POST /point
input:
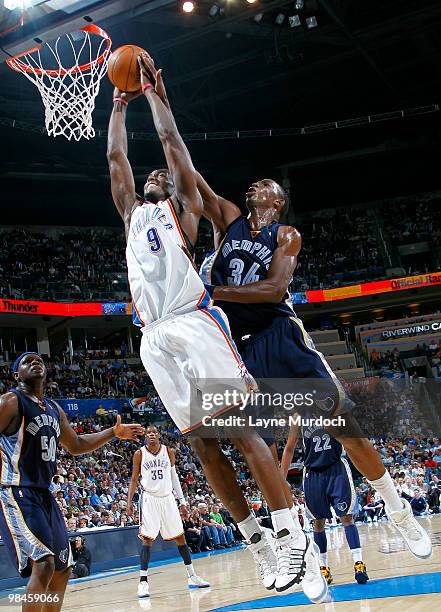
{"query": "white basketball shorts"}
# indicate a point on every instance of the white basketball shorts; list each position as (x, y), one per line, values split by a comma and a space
(160, 515)
(191, 358)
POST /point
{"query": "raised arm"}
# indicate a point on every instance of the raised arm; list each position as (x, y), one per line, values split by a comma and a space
(274, 286)
(136, 470)
(220, 211)
(121, 175)
(288, 451)
(176, 153)
(79, 445)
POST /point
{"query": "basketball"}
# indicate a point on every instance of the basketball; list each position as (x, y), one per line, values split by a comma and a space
(123, 69)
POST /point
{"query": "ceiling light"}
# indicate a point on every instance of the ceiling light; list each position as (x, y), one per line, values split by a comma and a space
(294, 21)
(311, 22)
(251, 1)
(188, 6)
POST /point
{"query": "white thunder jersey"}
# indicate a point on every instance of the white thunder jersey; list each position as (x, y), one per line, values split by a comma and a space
(161, 276)
(156, 472)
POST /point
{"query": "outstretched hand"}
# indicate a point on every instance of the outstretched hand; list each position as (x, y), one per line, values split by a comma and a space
(128, 431)
(153, 76)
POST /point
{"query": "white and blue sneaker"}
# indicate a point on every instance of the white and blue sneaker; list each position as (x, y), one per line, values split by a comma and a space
(196, 582)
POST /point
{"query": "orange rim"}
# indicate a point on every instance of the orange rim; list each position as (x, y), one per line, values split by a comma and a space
(18, 66)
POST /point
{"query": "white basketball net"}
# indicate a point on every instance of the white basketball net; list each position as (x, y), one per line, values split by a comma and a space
(68, 93)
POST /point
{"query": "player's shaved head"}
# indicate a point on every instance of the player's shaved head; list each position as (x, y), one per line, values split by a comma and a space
(266, 196)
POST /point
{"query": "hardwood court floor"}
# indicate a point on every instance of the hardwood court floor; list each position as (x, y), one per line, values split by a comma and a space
(398, 581)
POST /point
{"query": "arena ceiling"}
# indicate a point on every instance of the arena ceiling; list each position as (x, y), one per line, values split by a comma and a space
(232, 72)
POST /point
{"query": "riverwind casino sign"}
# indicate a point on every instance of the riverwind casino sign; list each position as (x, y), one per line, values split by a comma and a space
(416, 329)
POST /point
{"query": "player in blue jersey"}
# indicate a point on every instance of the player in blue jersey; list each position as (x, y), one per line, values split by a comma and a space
(32, 427)
(327, 482)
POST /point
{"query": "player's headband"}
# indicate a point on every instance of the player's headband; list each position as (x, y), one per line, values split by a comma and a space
(17, 362)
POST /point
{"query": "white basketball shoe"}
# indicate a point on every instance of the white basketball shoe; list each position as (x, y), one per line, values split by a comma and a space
(291, 562)
(314, 584)
(265, 559)
(143, 589)
(196, 582)
(416, 538)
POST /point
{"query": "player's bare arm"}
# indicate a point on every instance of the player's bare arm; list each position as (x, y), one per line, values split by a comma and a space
(9, 415)
(274, 286)
(136, 470)
(176, 153)
(220, 211)
(121, 175)
(288, 451)
(78, 445)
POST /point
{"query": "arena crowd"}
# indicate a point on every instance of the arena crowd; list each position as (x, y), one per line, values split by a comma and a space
(339, 247)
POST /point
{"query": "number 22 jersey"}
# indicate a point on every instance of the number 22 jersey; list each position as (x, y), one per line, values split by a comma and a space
(28, 456)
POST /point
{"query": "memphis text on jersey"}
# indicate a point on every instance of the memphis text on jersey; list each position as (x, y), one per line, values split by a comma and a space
(261, 251)
(42, 420)
(311, 423)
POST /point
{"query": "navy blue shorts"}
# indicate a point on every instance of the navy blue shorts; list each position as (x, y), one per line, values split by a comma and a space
(32, 527)
(285, 350)
(332, 487)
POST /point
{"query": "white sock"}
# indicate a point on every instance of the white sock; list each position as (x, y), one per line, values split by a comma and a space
(190, 570)
(324, 559)
(295, 516)
(386, 488)
(248, 527)
(356, 554)
(282, 519)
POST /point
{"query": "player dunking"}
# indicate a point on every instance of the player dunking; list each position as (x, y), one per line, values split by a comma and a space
(327, 482)
(155, 463)
(31, 428)
(185, 342)
(249, 277)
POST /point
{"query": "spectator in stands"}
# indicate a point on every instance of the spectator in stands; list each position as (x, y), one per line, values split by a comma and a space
(226, 529)
(418, 504)
(263, 515)
(217, 534)
(82, 558)
(434, 498)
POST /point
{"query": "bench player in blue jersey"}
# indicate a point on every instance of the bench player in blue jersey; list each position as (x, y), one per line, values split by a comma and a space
(327, 482)
(32, 427)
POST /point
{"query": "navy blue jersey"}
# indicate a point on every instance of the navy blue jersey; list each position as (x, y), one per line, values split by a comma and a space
(320, 450)
(244, 257)
(28, 457)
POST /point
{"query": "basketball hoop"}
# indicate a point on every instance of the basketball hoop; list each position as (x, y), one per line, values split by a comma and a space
(68, 94)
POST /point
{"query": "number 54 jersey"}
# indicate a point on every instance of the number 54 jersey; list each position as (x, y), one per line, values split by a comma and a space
(28, 456)
(161, 276)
